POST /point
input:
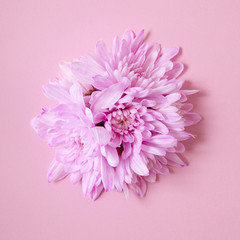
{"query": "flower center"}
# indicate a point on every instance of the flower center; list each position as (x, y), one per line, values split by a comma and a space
(76, 141)
(124, 121)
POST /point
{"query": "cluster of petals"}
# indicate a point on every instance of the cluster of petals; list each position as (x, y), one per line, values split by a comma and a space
(120, 117)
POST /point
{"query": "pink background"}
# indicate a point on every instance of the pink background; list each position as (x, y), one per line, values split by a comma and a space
(198, 202)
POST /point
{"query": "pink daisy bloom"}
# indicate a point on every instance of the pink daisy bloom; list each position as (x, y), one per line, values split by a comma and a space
(120, 118)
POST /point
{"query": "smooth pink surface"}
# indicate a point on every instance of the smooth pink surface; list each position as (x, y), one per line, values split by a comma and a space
(198, 202)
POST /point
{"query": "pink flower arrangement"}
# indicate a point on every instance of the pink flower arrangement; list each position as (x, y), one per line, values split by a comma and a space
(120, 118)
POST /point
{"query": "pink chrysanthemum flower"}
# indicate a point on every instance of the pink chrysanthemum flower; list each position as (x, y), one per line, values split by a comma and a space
(120, 118)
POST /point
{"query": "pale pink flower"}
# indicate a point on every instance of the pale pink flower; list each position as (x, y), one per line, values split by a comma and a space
(121, 116)
(69, 128)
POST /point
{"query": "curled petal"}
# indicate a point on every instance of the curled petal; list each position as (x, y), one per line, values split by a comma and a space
(175, 71)
(108, 97)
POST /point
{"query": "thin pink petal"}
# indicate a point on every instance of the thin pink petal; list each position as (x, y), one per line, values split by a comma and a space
(56, 92)
(112, 156)
(163, 141)
(76, 94)
(138, 165)
(175, 71)
(169, 53)
(139, 187)
(191, 118)
(56, 172)
(174, 160)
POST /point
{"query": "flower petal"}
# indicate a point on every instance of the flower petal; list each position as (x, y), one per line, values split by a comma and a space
(56, 92)
(75, 177)
(172, 98)
(96, 192)
(112, 156)
(107, 174)
(174, 160)
(127, 150)
(160, 127)
(66, 72)
(138, 165)
(169, 53)
(101, 135)
(85, 69)
(163, 141)
(153, 150)
(139, 187)
(88, 181)
(76, 94)
(151, 56)
(137, 41)
(108, 97)
(180, 136)
(175, 71)
(102, 82)
(56, 172)
(191, 118)
(102, 53)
